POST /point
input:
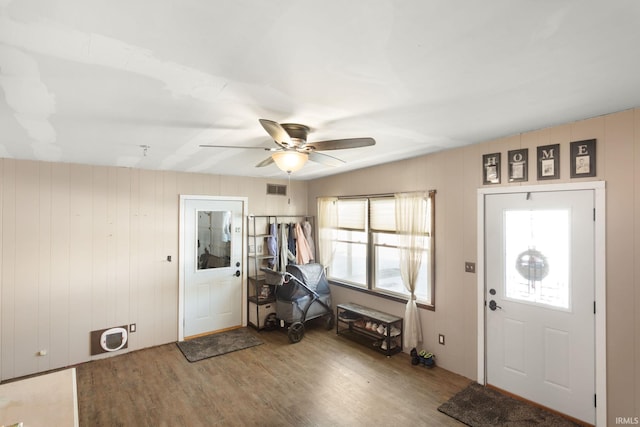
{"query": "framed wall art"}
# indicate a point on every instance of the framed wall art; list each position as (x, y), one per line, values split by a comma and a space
(491, 168)
(548, 162)
(583, 158)
(518, 165)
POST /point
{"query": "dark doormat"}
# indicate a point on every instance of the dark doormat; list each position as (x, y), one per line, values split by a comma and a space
(478, 406)
(217, 344)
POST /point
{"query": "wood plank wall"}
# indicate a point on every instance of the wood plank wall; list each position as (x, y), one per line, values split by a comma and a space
(457, 175)
(85, 248)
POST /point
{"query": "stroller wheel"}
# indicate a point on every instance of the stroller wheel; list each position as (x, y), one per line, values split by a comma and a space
(329, 322)
(296, 332)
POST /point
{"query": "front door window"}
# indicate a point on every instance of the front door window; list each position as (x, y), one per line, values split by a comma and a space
(213, 240)
(537, 257)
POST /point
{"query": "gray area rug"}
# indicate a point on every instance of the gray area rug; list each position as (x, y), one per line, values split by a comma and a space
(478, 406)
(217, 344)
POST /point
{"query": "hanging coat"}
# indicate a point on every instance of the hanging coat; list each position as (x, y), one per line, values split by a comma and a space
(303, 252)
(308, 234)
(291, 229)
(284, 248)
(272, 244)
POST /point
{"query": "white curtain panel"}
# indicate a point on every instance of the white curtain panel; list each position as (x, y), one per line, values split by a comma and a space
(411, 227)
(328, 222)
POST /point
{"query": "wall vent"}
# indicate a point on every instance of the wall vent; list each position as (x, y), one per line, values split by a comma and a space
(277, 189)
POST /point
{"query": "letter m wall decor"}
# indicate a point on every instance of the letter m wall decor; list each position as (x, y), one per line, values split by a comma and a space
(549, 162)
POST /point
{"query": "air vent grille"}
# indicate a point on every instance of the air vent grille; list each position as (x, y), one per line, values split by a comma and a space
(277, 189)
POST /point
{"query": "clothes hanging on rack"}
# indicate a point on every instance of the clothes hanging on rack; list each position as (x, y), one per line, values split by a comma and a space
(289, 243)
(303, 251)
(284, 248)
(308, 234)
(291, 230)
(272, 244)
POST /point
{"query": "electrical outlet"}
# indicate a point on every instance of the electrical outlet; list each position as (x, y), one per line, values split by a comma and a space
(441, 339)
(132, 327)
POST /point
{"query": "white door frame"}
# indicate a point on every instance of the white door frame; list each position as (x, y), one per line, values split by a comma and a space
(599, 272)
(245, 209)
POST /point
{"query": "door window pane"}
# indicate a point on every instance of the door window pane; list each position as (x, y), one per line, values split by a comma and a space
(214, 239)
(537, 257)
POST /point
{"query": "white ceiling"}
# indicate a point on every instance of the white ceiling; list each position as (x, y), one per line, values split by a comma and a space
(91, 81)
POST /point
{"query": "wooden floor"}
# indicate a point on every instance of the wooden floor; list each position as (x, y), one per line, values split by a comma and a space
(324, 380)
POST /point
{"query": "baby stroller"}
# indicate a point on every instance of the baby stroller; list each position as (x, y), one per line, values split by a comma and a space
(302, 293)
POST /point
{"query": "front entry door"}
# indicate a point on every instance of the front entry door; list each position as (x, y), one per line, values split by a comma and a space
(540, 322)
(212, 265)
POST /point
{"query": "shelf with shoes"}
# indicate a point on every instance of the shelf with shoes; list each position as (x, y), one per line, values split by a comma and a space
(373, 328)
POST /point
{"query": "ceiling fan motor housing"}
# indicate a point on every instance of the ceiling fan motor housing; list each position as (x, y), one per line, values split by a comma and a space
(297, 132)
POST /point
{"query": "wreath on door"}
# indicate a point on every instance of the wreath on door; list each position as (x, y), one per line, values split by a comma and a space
(532, 265)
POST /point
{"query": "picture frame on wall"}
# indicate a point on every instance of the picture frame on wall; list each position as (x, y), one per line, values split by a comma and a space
(583, 158)
(548, 161)
(491, 168)
(518, 161)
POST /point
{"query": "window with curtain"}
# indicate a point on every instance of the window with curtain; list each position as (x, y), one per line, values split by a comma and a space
(366, 248)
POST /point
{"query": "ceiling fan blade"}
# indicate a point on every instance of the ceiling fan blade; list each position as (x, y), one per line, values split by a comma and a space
(238, 146)
(265, 162)
(340, 144)
(277, 132)
(325, 159)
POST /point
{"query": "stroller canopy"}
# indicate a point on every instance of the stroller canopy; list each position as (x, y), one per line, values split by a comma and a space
(312, 275)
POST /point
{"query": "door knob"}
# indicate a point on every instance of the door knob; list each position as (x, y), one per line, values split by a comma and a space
(237, 273)
(493, 305)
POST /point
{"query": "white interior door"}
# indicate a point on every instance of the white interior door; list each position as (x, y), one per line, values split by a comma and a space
(212, 265)
(540, 322)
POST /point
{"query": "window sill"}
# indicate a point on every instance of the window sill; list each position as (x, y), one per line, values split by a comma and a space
(381, 295)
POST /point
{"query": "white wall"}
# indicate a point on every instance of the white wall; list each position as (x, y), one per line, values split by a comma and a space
(85, 248)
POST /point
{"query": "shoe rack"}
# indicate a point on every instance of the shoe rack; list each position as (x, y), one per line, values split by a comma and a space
(372, 328)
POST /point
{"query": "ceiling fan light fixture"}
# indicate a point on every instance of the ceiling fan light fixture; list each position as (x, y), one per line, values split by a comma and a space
(290, 160)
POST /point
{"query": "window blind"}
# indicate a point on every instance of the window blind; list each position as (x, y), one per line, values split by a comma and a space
(352, 214)
(383, 214)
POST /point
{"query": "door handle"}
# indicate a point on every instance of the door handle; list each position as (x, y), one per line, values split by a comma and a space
(237, 274)
(493, 305)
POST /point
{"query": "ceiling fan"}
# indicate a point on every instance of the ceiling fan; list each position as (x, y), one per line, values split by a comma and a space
(293, 150)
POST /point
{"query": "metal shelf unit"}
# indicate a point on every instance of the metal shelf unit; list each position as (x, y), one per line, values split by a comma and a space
(260, 295)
